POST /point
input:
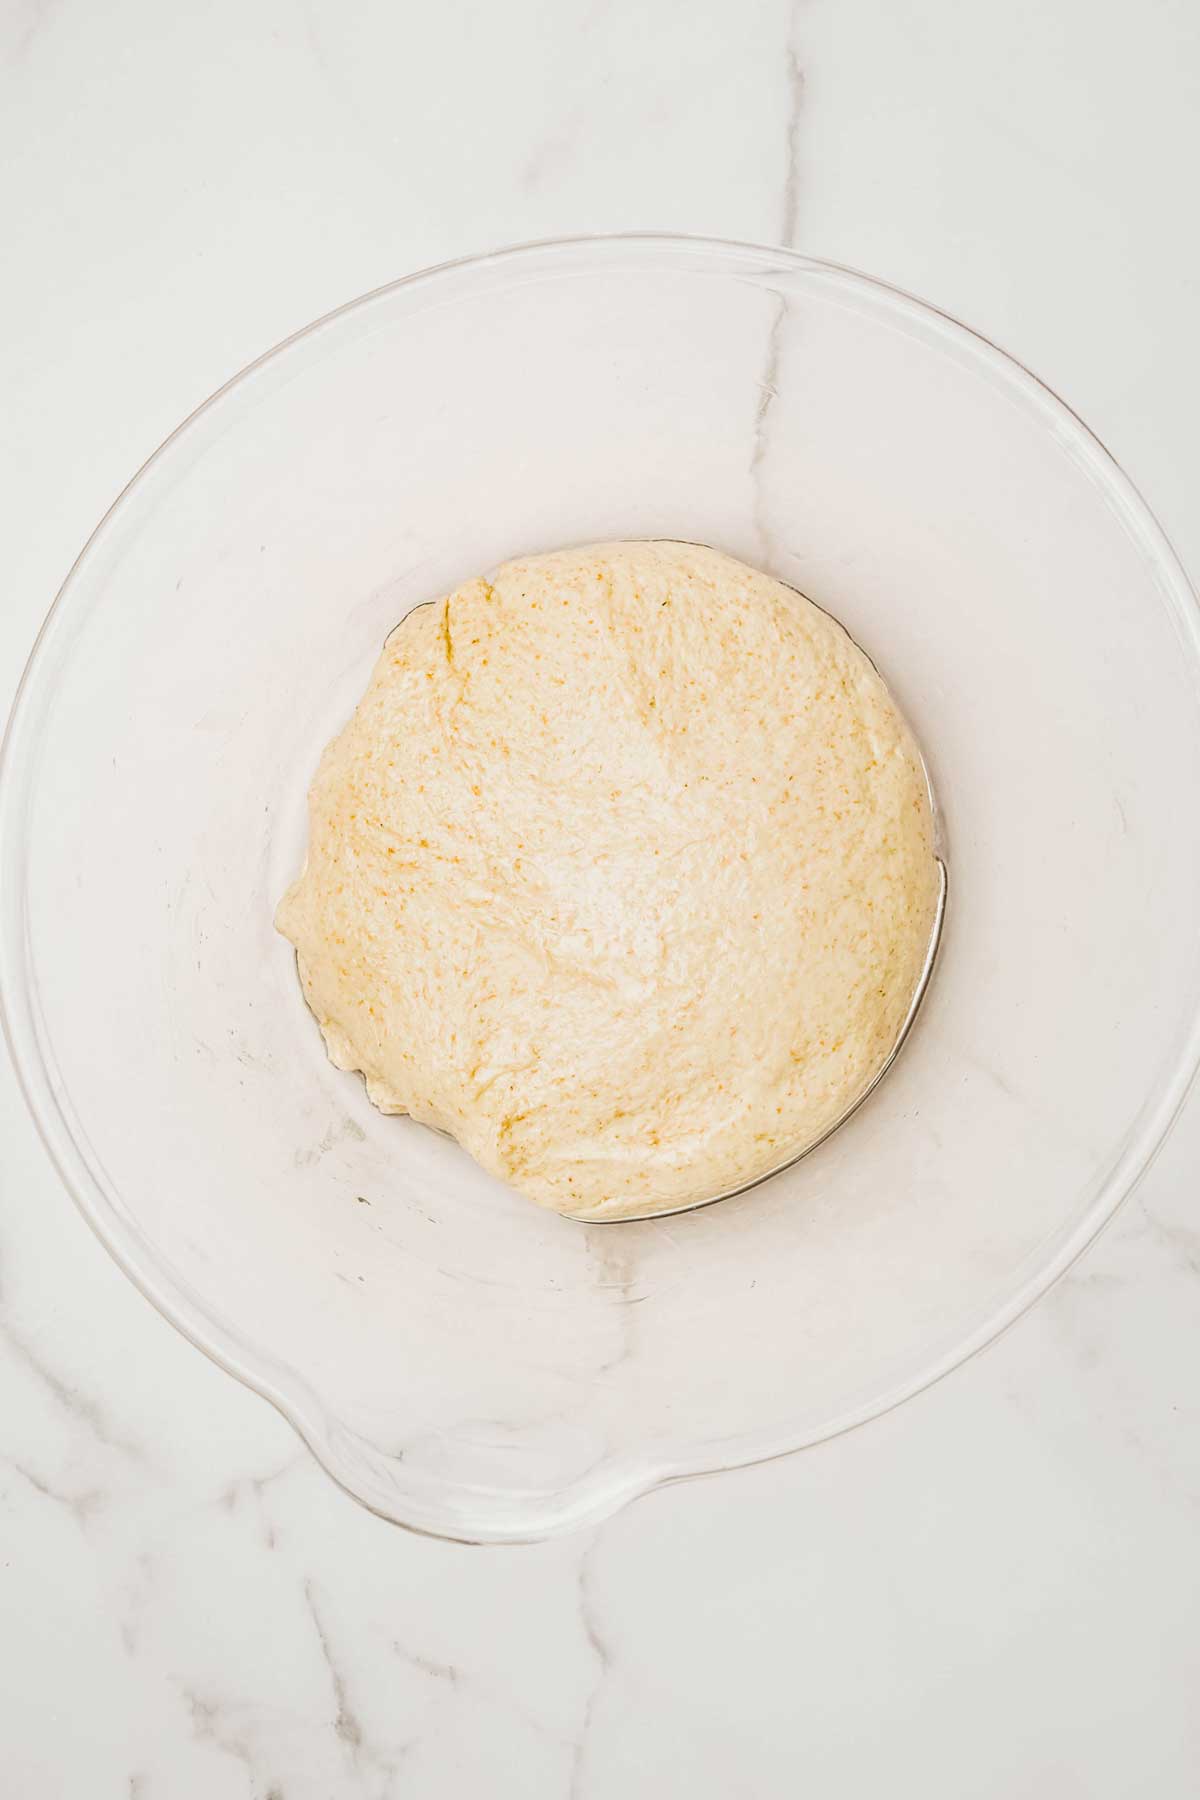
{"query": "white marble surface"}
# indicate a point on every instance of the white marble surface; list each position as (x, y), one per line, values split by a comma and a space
(993, 1591)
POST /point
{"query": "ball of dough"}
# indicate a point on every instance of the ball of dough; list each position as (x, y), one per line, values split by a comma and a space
(622, 873)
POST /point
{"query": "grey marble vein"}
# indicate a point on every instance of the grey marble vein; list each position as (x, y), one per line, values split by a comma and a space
(137, 1592)
(450, 1673)
(254, 1490)
(790, 211)
(346, 1722)
(554, 148)
(69, 1396)
(25, 23)
(1183, 1241)
(82, 1506)
(789, 224)
(209, 1723)
(462, 1684)
(341, 91)
(602, 1652)
(768, 392)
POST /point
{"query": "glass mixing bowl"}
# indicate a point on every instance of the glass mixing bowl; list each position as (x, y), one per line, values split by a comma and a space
(457, 1359)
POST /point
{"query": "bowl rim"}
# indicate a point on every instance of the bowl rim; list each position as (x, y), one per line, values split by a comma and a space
(351, 1461)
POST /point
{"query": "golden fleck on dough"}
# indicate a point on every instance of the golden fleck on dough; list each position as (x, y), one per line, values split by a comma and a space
(622, 873)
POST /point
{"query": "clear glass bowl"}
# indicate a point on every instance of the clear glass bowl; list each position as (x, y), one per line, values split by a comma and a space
(457, 1359)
